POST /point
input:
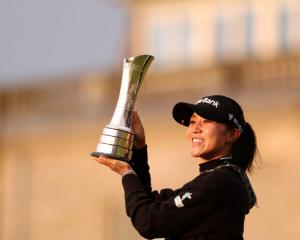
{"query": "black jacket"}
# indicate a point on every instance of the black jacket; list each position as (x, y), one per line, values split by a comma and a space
(212, 206)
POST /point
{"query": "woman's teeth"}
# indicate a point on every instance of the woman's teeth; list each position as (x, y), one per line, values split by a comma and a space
(196, 140)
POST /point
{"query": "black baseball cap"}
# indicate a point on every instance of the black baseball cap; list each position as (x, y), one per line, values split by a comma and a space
(216, 108)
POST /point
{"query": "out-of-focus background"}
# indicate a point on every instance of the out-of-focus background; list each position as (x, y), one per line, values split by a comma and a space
(60, 74)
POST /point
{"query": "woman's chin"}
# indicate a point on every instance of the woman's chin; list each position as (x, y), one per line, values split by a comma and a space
(196, 154)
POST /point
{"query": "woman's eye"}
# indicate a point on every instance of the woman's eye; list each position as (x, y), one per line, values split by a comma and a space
(192, 122)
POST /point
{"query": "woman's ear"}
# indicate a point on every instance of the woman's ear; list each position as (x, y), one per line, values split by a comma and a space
(234, 135)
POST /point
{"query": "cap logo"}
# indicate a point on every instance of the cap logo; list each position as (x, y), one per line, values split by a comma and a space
(236, 122)
(209, 101)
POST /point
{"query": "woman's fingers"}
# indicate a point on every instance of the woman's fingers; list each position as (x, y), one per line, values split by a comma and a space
(136, 118)
(138, 130)
(103, 160)
(117, 166)
(137, 125)
(109, 162)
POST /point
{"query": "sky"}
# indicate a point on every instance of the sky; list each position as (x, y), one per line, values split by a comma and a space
(52, 37)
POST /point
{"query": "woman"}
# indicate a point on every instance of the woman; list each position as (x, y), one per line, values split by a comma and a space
(214, 204)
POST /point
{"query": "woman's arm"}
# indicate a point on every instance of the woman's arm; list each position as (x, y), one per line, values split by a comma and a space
(169, 214)
(139, 163)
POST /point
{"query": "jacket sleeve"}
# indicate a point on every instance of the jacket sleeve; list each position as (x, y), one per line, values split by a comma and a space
(154, 218)
(139, 163)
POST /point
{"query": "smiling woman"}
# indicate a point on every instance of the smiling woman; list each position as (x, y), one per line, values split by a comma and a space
(214, 204)
(209, 139)
(227, 127)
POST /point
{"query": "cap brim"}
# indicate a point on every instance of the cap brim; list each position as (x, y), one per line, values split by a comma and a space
(182, 113)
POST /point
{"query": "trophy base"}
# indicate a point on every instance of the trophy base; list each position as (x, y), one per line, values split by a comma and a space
(115, 157)
(116, 144)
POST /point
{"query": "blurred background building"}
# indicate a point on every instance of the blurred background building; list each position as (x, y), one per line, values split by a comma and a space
(60, 73)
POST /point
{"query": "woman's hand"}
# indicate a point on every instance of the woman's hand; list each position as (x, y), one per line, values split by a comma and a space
(117, 166)
(138, 129)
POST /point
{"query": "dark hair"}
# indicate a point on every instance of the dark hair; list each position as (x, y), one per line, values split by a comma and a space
(244, 148)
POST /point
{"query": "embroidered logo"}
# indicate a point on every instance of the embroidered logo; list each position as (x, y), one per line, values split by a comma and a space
(236, 122)
(178, 200)
(209, 101)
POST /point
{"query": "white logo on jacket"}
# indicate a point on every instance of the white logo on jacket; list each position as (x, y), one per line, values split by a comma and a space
(178, 200)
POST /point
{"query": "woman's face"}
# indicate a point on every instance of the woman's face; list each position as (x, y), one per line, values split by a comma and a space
(208, 139)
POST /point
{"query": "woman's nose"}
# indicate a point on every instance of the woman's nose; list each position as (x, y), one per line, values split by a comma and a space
(197, 127)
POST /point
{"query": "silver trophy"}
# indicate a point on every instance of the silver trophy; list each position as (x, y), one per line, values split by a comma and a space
(117, 137)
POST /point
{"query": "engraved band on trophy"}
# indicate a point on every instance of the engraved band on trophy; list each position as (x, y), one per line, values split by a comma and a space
(117, 137)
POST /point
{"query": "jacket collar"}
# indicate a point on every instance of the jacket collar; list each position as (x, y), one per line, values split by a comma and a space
(211, 164)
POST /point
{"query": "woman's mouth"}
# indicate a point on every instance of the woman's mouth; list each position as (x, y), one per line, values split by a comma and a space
(196, 140)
